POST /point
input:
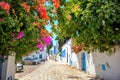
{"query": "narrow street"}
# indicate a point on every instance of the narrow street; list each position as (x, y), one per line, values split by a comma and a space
(52, 70)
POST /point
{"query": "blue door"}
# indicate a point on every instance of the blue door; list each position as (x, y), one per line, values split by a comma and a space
(84, 61)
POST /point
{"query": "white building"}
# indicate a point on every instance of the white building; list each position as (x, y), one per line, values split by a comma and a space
(38, 54)
(7, 68)
(101, 64)
(95, 63)
(84, 61)
(107, 66)
(66, 55)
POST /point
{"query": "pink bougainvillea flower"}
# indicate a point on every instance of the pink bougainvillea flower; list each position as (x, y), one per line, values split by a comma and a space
(47, 40)
(20, 35)
(12, 34)
(1, 19)
(41, 46)
(5, 6)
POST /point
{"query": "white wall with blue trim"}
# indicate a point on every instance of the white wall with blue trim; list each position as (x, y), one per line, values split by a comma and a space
(37, 54)
(84, 61)
(66, 53)
(94, 63)
(107, 66)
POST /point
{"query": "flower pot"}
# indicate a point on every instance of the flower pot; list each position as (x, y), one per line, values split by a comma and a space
(77, 48)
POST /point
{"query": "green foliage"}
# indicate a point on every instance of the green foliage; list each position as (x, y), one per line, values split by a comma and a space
(93, 23)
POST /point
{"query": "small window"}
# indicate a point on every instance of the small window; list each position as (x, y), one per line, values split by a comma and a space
(103, 67)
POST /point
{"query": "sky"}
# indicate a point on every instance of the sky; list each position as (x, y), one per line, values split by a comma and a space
(48, 28)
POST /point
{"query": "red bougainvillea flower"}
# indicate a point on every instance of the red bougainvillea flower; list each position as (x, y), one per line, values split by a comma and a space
(20, 35)
(44, 23)
(1, 19)
(26, 6)
(56, 3)
(44, 33)
(42, 11)
(39, 2)
(5, 6)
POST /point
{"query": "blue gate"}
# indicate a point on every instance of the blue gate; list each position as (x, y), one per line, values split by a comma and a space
(84, 61)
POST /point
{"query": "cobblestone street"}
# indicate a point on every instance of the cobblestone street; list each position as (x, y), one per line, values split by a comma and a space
(51, 70)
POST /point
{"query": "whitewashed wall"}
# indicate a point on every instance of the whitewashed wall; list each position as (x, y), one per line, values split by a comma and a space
(112, 64)
(68, 47)
(90, 64)
(8, 68)
(36, 54)
(64, 59)
(44, 54)
(11, 67)
(75, 60)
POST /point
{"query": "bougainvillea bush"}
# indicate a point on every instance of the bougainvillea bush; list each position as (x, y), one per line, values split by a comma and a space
(22, 26)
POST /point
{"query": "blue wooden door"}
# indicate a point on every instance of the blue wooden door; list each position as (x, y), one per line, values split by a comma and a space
(84, 61)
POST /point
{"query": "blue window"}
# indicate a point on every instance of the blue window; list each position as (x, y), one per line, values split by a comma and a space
(103, 67)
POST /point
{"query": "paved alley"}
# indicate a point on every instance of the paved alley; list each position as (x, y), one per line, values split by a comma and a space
(52, 70)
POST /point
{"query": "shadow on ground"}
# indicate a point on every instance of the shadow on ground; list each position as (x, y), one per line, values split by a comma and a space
(77, 77)
(74, 77)
(19, 71)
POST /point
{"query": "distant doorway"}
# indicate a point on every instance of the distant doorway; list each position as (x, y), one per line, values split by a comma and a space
(83, 56)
